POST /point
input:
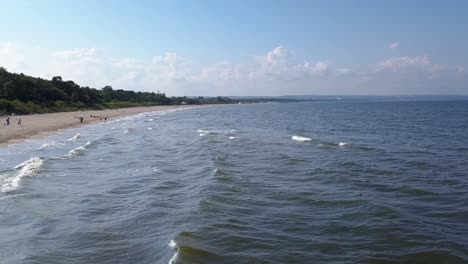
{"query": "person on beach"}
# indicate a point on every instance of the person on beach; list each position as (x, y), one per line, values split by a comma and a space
(19, 122)
(8, 121)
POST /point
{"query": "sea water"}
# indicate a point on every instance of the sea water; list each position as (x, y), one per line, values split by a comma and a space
(320, 182)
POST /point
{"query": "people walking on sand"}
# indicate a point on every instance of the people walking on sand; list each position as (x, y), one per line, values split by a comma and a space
(81, 119)
(8, 121)
(19, 122)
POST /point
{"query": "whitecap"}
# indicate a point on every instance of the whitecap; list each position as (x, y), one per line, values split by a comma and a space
(150, 128)
(232, 137)
(75, 137)
(203, 131)
(203, 134)
(342, 144)
(173, 245)
(301, 139)
(28, 168)
(47, 145)
(126, 131)
(78, 150)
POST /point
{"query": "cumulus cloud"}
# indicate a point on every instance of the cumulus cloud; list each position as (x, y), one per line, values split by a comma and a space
(277, 71)
(394, 45)
(11, 58)
(407, 64)
(171, 67)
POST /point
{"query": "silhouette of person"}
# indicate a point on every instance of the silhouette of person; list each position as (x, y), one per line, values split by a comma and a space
(81, 119)
(19, 122)
(8, 121)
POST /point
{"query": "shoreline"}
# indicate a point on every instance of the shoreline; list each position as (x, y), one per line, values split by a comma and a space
(42, 125)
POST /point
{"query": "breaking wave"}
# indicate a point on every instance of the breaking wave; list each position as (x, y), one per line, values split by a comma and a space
(301, 139)
(173, 245)
(77, 151)
(28, 168)
(75, 137)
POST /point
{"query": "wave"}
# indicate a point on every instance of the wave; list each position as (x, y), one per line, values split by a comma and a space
(232, 137)
(28, 168)
(186, 252)
(301, 139)
(342, 144)
(75, 137)
(204, 131)
(150, 128)
(48, 145)
(77, 151)
(173, 245)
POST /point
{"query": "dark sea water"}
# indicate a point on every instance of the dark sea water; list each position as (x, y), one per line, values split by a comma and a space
(324, 182)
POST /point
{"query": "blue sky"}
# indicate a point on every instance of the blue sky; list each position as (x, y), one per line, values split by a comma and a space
(242, 47)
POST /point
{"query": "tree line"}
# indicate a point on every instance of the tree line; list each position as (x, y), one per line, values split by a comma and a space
(24, 94)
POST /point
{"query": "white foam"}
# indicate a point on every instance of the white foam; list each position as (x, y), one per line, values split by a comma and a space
(203, 134)
(126, 131)
(78, 150)
(301, 139)
(74, 138)
(28, 168)
(232, 137)
(204, 131)
(151, 119)
(174, 258)
(47, 145)
(342, 144)
(150, 128)
(173, 245)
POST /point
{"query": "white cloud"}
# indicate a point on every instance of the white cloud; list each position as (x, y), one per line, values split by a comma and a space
(406, 63)
(394, 45)
(171, 67)
(276, 72)
(343, 71)
(11, 58)
(320, 67)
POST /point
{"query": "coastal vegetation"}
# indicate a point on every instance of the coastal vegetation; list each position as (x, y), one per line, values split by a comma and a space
(24, 94)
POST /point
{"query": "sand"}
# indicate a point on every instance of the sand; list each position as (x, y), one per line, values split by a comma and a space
(40, 125)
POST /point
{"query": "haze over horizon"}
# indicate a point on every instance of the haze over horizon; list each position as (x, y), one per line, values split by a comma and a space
(242, 48)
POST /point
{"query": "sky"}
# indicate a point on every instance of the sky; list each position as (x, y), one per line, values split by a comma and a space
(237, 47)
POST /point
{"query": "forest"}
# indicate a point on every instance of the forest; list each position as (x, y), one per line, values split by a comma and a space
(22, 94)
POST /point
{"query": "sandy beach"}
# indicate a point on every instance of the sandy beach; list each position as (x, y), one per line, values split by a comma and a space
(39, 125)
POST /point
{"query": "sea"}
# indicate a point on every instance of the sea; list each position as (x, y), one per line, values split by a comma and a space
(311, 182)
